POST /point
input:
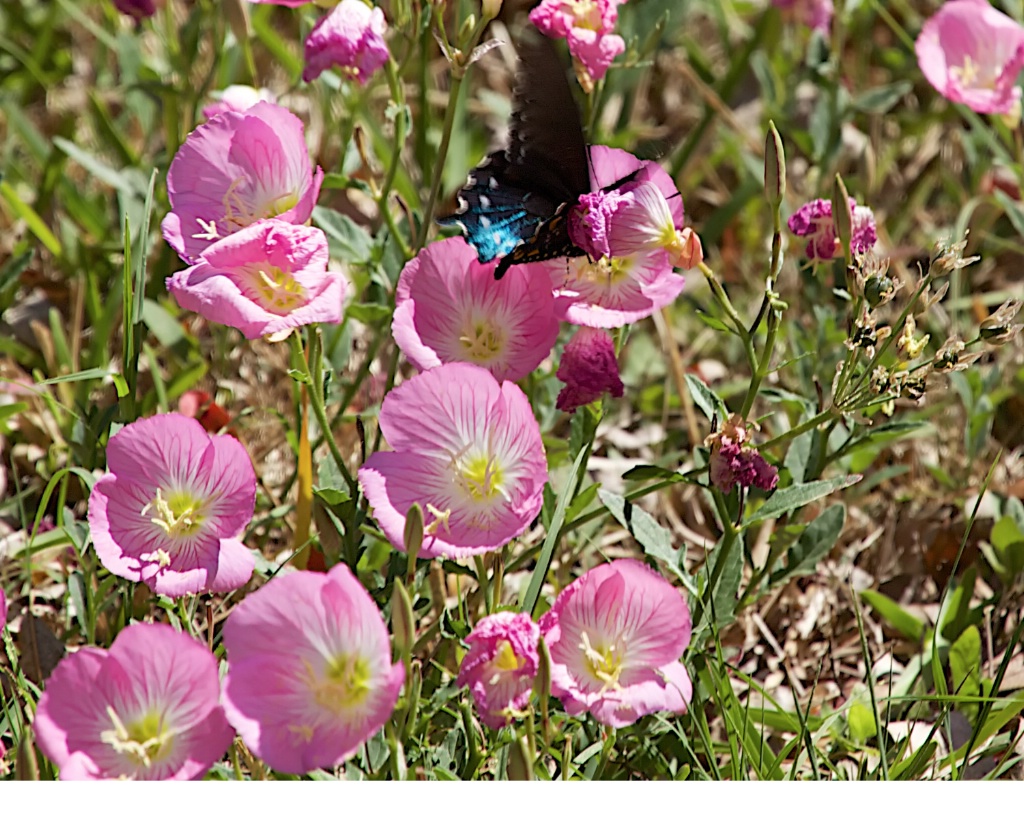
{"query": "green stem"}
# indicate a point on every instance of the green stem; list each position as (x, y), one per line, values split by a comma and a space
(764, 365)
(312, 371)
(734, 317)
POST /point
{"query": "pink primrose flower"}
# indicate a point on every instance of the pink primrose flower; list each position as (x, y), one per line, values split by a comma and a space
(468, 450)
(814, 221)
(972, 53)
(587, 26)
(309, 676)
(450, 308)
(147, 708)
(500, 666)
(351, 37)
(139, 9)
(614, 290)
(238, 98)
(615, 636)
(266, 279)
(734, 460)
(234, 170)
(815, 14)
(589, 369)
(172, 507)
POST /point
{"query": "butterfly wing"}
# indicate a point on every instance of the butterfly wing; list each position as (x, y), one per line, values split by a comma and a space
(512, 204)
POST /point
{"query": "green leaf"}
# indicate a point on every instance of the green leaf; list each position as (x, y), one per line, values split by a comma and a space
(816, 541)
(798, 496)
(654, 538)
(881, 99)
(714, 323)
(965, 662)
(649, 472)
(1012, 209)
(346, 239)
(894, 614)
(372, 315)
(165, 328)
(705, 398)
(861, 721)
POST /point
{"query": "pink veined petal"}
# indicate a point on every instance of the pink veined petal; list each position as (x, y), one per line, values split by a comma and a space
(450, 308)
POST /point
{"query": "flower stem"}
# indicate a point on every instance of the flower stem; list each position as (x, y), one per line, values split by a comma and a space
(313, 373)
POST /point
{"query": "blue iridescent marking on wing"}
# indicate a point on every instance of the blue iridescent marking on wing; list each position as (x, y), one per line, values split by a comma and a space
(514, 204)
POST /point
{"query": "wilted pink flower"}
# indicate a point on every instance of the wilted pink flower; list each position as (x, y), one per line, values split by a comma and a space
(139, 9)
(615, 636)
(500, 666)
(234, 170)
(350, 37)
(816, 14)
(266, 279)
(146, 709)
(588, 368)
(587, 26)
(734, 460)
(972, 53)
(171, 509)
(616, 289)
(309, 670)
(468, 451)
(450, 308)
(814, 221)
(238, 98)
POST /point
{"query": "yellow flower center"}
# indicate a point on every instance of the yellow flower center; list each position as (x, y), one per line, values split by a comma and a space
(344, 684)
(272, 288)
(145, 741)
(481, 476)
(481, 340)
(605, 271)
(604, 662)
(973, 75)
(506, 660)
(180, 514)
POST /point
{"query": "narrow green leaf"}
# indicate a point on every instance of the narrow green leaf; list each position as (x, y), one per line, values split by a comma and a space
(894, 614)
(798, 496)
(654, 539)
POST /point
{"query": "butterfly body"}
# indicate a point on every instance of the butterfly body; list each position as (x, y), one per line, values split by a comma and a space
(515, 204)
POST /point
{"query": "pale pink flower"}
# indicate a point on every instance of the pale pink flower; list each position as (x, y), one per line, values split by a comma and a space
(588, 368)
(238, 98)
(814, 221)
(734, 460)
(139, 9)
(619, 289)
(172, 507)
(587, 26)
(500, 666)
(146, 709)
(635, 217)
(972, 53)
(615, 636)
(309, 676)
(266, 279)
(450, 308)
(234, 170)
(468, 451)
(351, 38)
(815, 14)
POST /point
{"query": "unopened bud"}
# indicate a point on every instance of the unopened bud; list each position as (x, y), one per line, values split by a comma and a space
(841, 215)
(403, 623)
(774, 167)
(413, 534)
